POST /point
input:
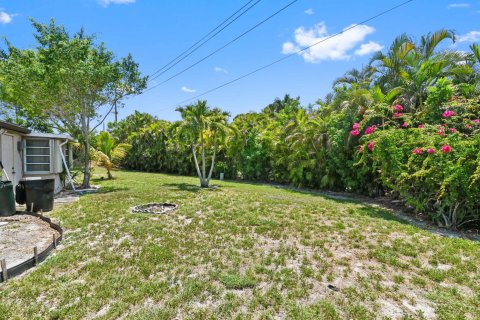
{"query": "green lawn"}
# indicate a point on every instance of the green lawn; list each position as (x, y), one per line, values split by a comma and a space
(242, 251)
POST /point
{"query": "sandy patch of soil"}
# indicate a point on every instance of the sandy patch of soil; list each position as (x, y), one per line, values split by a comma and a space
(19, 234)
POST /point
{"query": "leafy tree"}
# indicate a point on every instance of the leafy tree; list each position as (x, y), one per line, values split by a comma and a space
(72, 80)
(132, 123)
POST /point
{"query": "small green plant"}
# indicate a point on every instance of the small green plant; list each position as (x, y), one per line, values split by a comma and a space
(238, 281)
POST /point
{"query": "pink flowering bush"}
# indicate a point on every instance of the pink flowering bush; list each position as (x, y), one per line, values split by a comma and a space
(444, 185)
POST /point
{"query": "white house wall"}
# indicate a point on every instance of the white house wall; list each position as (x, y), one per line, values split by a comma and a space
(14, 167)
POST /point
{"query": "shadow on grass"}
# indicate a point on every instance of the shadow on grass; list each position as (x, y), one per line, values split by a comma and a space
(110, 189)
(190, 187)
(184, 186)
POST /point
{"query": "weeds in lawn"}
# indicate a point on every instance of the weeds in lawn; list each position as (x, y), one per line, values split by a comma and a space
(242, 251)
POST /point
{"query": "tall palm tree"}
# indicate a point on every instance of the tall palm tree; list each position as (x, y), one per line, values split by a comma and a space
(108, 153)
(204, 128)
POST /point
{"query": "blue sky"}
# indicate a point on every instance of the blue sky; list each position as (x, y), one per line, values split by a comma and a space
(154, 32)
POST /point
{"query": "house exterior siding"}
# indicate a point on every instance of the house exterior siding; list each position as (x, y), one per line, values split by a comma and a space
(13, 154)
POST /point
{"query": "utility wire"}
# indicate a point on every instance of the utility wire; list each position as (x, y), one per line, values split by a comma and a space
(289, 56)
(222, 47)
(181, 55)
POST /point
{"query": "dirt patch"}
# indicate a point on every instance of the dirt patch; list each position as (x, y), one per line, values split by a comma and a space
(19, 234)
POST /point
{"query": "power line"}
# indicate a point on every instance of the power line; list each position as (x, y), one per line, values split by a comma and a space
(162, 71)
(222, 47)
(289, 56)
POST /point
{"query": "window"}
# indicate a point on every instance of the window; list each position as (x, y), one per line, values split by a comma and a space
(37, 156)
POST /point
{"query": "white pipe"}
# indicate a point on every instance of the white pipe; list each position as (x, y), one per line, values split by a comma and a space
(66, 166)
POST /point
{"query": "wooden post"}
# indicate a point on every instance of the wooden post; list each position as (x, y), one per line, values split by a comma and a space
(54, 241)
(35, 255)
(3, 264)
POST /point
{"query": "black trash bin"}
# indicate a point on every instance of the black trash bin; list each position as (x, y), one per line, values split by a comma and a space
(7, 200)
(40, 194)
(20, 196)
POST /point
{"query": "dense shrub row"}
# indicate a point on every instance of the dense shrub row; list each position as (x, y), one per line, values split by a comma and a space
(406, 126)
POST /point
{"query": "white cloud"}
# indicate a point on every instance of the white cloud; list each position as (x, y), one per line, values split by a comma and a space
(471, 36)
(367, 48)
(336, 48)
(105, 3)
(458, 6)
(188, 90)
(6, 18)
(222, 70)
(309, 11)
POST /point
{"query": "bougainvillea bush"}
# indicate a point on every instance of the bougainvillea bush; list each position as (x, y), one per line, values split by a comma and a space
(434, 166)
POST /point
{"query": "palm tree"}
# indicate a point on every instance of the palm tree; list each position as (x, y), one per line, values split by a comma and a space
(362, 78)
(408, 69)
(108, 154)
(476, 51)
(204, 128)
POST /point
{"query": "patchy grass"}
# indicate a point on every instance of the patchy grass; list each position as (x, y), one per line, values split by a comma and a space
(242, 251)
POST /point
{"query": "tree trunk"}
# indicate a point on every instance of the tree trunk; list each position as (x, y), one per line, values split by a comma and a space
(213, 159)
(86, 138)
(203, 158)
(86, 175)
(195, 160)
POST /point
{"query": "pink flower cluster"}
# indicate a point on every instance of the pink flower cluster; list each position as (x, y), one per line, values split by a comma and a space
(476, 121)
(417, 151)
(355, 132)
(371, 145)
(398, 108)
(448, 113)
(370, 130)
(398, 111)
(445, 149)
